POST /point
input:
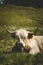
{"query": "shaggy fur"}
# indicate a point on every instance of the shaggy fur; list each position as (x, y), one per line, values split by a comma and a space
(29, 42)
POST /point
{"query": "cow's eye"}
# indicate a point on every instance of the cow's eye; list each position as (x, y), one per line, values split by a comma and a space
(22, 37)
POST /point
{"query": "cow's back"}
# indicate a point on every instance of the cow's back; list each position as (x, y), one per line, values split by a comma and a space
(39, 40)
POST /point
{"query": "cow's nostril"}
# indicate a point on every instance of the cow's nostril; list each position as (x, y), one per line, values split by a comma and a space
(20, 44)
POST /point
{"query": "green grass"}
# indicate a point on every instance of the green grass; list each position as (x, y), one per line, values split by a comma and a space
(16, 17)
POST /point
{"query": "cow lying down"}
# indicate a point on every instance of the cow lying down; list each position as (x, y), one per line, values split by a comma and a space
(27, 41)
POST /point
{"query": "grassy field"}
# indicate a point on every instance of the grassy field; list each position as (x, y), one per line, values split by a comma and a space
(16, 17)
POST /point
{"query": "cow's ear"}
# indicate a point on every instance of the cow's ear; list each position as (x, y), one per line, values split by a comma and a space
(30, 35)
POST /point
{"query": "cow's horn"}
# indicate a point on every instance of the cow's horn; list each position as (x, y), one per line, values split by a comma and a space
(8, 29)
(36, 28)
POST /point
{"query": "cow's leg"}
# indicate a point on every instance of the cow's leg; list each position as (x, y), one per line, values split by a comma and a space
(34, 51)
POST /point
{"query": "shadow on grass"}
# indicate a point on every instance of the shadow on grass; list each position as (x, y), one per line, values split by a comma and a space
(27, 3)
(18, 58)
(38, 59)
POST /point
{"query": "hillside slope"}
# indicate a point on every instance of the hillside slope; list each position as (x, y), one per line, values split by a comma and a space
(16, 17)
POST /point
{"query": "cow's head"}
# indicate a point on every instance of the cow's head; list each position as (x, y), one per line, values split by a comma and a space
(21, 35)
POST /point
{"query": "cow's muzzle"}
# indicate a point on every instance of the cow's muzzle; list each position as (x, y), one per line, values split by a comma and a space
(20, 45)
(17, 47)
